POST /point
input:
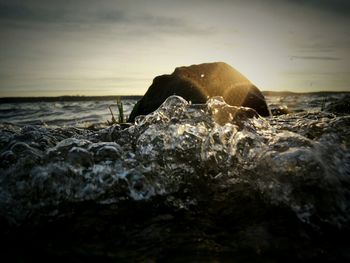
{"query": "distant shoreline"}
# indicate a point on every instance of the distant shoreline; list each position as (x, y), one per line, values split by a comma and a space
(138, 97)
(290, 93)
(65, 98)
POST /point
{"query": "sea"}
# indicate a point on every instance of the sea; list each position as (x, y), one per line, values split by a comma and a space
(186, 183)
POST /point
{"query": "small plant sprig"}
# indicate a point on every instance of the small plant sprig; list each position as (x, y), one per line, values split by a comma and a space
(120, 110)
(121, 117)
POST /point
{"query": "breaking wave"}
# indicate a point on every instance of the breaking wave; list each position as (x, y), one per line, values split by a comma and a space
(244, 176)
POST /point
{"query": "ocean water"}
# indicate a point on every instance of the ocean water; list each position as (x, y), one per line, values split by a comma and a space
(62, 113)
(187, 183)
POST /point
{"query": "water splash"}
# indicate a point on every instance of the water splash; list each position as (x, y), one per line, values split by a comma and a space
(180, 152)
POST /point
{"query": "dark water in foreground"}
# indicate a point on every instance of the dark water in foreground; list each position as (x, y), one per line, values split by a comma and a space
(188, 183)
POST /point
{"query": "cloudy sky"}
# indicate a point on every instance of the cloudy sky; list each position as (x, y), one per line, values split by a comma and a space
(111, 47)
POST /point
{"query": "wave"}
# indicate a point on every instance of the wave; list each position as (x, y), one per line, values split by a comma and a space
(246, 187)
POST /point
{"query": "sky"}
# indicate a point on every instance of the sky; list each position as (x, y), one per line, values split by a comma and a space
(115, 47)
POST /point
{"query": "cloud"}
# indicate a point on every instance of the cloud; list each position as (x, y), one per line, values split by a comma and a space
(314, 57)
(42, 14)
(87, 18)
(337, 6)
(23, 13)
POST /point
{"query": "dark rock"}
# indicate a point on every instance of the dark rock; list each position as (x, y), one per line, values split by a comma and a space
(339, 106)
(198, 83)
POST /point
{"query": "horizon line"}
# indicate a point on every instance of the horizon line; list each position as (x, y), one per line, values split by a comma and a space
(20, 99)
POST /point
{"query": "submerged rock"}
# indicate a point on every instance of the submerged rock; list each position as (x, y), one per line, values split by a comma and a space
(198, 83)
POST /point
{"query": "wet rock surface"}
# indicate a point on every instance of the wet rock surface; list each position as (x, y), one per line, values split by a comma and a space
(193, 183)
